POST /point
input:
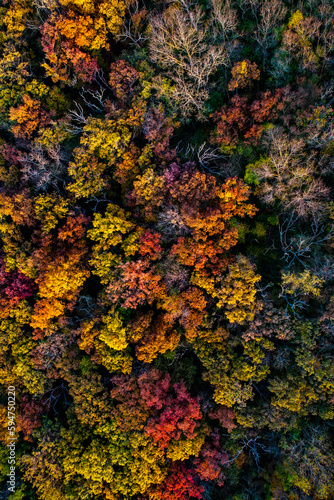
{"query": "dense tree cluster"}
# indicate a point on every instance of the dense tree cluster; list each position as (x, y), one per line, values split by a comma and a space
(166, 248)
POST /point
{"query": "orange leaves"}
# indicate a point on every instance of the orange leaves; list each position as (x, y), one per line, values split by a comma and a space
(212, 458)
(19, 208)
(232, 195)
(45, 311)
(127, 167)
(205, 224)
(193, 311)
(243, 74)
(150, 245)
(82, 34)
(186, 185)
(137, 284)
(28, 116)
(211, 235)
(78, 27)
(158, 339)
(149, 192)
(199, 255)
(62, 274)
(64, 58)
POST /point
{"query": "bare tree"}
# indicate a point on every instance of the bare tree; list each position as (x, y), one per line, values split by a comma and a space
(298, 248)
(44, 167)
(225, 18)
(287, 176)
(272, 13)
(183, 43)
(133, 30)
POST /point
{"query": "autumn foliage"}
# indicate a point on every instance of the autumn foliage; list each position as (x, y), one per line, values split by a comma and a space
(166, 249)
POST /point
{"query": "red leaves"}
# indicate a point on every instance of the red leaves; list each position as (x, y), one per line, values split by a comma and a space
(154, 387)
(150, 245)
(179, 417)
(211, 460)
(30, 416)
(225, 416)
(240, 119)
(158, 130)
(122, 79)
(180, 484)
(14, 285)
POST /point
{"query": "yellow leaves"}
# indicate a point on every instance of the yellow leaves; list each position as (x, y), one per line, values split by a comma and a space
(112, 332)
(295, 19)
(292, 393)
(107, 14)
(182, 449)
(298, 37)
(37, 89)
(109, 343)
(243, 73)
(131, 243)
(114, 12)
(16, 18)
(107, 139)
(13, 70)
(32, 379)
(245, 372)
(148, 188)
(302, 283)
(62, 279)
(49, 209)
(229, 391)
(237, 292)
(88, 174)
(253, 350)
(86, 6)
(108, 230)
(203, 281)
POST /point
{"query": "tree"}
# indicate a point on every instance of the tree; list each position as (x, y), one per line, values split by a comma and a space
(238, 292)
(28, 116)
(61, 277)
(272, 14)
(243, 74)
(65, 45)
(287, 176)
(180, 485)
(181, 42)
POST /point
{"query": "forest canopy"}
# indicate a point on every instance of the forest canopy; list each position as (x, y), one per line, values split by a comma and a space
(166, 249)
